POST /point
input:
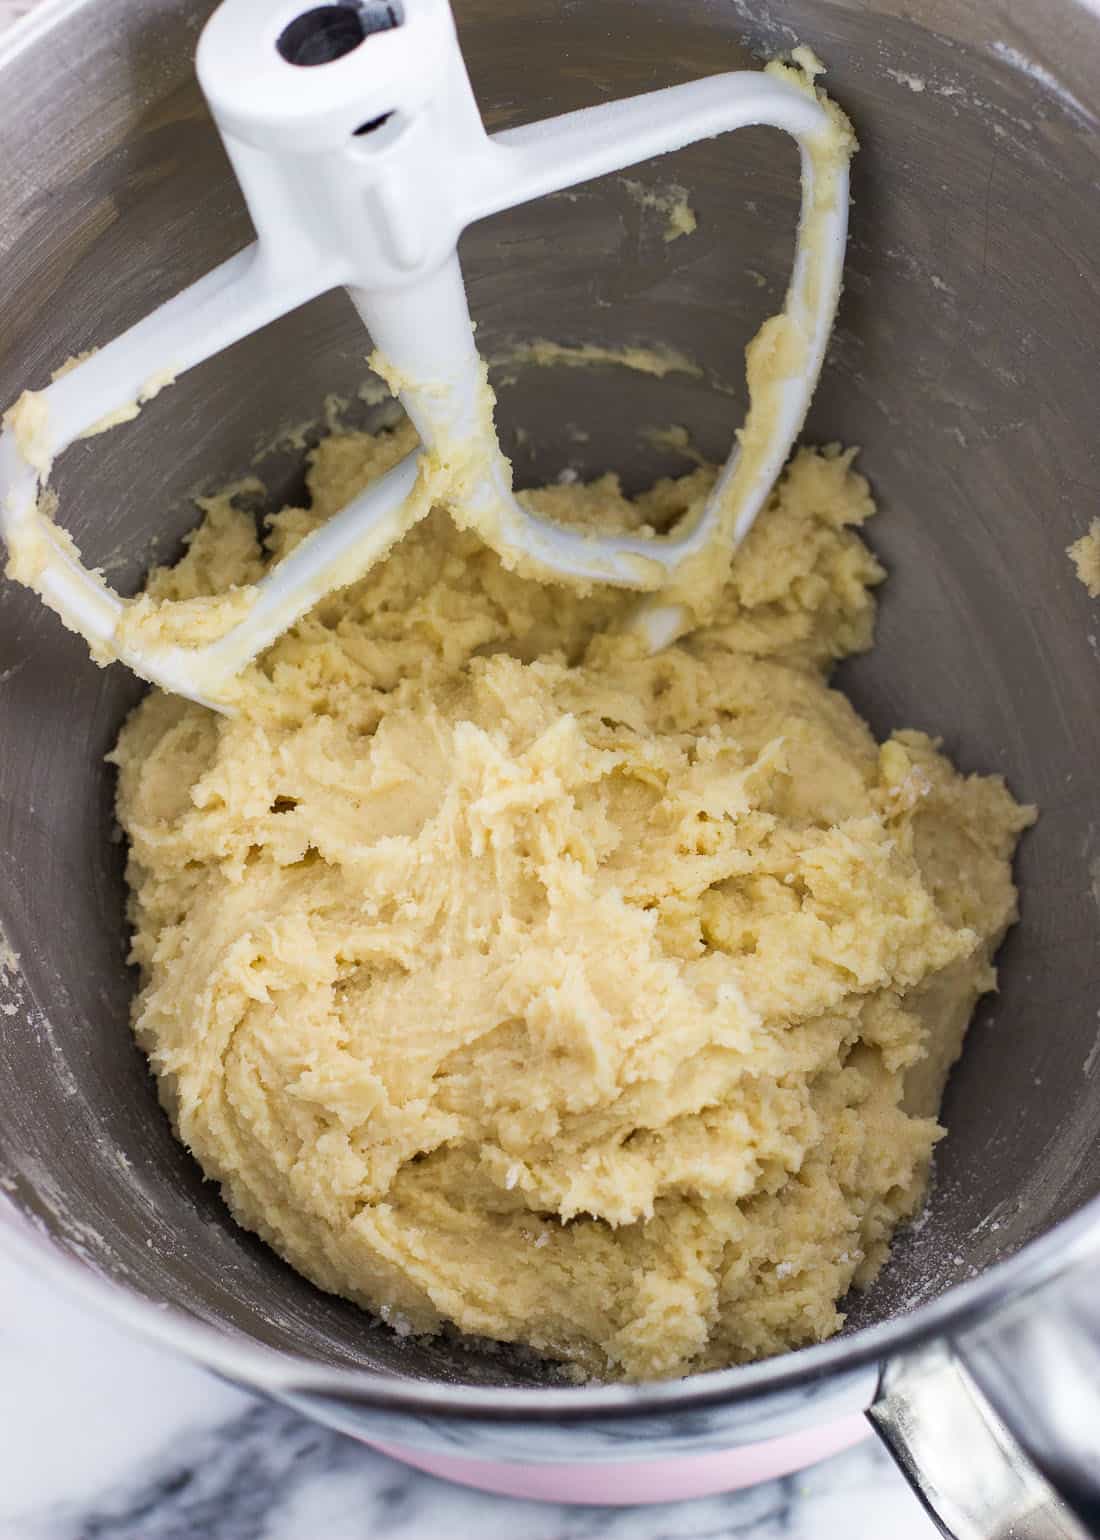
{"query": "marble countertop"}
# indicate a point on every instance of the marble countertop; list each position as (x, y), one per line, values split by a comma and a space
(105, 1438)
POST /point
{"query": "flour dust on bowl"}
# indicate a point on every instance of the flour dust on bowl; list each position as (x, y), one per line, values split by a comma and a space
(961, 358)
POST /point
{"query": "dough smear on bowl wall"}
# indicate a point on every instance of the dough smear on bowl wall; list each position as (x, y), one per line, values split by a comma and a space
(505, 975)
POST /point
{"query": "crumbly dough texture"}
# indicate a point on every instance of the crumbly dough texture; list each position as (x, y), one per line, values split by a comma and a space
(1085, 555)
(504, 976)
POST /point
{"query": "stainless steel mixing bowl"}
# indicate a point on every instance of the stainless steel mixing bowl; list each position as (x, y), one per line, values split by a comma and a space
(964, 363)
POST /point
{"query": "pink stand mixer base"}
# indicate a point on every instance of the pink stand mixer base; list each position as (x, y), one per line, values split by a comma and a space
(642, 1481)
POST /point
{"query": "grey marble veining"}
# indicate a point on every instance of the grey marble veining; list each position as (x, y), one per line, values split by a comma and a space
(267, 1473)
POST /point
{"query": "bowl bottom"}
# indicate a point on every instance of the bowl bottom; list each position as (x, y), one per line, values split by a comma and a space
(632, 1482)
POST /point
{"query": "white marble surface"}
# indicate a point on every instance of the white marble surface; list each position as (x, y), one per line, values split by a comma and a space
(103, 1438)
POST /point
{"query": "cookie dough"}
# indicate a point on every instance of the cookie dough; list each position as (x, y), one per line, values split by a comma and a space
(505, 976)
(670, 202)
(1085, 555)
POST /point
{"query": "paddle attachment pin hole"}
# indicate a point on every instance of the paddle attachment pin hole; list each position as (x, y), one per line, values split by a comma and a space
(328, 32)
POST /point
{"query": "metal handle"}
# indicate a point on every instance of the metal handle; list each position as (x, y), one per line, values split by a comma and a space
(998, 1429)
